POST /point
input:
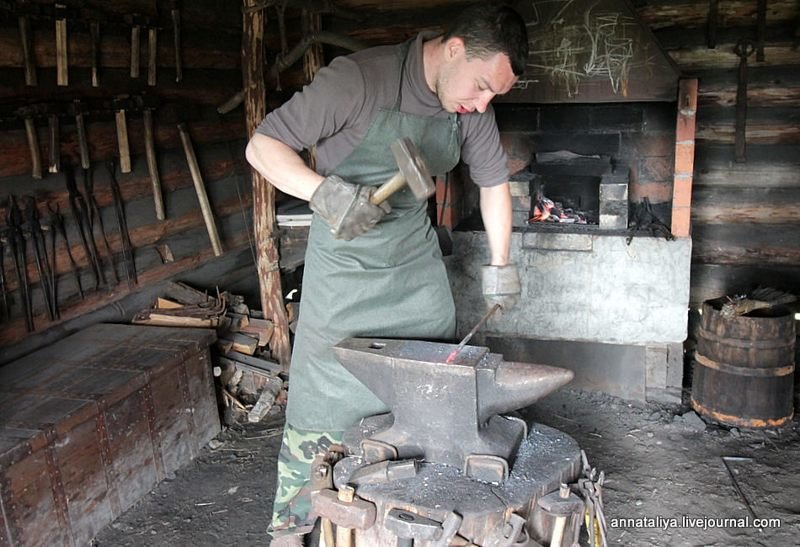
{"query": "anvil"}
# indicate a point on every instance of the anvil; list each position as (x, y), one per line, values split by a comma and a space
(448, 413)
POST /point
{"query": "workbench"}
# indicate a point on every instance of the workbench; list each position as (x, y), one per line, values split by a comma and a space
(90, 424)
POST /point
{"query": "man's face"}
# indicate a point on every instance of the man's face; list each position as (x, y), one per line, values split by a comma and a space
(467, 85)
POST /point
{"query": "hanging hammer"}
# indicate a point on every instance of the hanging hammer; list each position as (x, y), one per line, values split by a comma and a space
(413, 172)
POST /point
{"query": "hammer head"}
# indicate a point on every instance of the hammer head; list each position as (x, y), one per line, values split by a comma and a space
(413, 167)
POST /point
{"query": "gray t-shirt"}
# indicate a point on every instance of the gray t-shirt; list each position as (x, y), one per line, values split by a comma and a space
(335, 111)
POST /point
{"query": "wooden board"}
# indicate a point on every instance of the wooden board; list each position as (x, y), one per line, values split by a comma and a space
(92, 423)
(591, 51)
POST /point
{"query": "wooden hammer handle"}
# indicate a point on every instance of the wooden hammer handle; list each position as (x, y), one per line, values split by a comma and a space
(200, 189)
(388, 188)
(27, 50)
(33, 146)
(152, 164)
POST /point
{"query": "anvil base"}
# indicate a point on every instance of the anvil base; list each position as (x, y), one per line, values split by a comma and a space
(545, 458)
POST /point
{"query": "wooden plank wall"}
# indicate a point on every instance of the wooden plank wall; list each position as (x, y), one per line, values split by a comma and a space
(745, 216)
(211, 42)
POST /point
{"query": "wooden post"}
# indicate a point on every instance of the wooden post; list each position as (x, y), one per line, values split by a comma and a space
(312, 62)
(684, 158)
(269, 275)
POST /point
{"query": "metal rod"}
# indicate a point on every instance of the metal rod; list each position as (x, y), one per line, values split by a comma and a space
(737, 487)
(452, 357)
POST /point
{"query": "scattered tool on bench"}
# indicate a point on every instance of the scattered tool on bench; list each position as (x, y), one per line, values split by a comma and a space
(454, 354)
(413, 173)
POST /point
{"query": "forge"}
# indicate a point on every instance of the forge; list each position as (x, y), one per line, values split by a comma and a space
(452, 456)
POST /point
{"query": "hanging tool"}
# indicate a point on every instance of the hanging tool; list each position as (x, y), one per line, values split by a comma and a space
(761, 29)
(712, 23)
(16, 243)
(3, 239)
(200, 189)
(152, 54)
(743, 49)
(27, 113)
(31, 217)
(62, 63)
(26, 40)
(136, 22)
(96, 18)
(51, 260)
(120, 105)
(95, 218)
(147, 105)
(57, 227)
(175, 13)
(122, 223)
(452, 357)
(54, 140)
(78, 110)
(80, 212)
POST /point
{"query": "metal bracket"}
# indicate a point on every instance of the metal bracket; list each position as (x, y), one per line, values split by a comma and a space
(486, 468)
(377, 451)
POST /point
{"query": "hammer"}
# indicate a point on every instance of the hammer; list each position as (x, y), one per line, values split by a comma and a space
(413, 172)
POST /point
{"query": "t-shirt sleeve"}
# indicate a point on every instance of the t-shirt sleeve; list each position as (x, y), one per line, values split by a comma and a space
(481, 150)
(332, 100)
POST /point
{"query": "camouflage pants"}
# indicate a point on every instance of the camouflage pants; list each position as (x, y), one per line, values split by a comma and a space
(291, 512)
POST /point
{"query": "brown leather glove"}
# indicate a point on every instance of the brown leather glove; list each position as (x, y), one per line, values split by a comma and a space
(346, 207)
(500, 286)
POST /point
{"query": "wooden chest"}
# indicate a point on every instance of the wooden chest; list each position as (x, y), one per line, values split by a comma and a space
(90, 424)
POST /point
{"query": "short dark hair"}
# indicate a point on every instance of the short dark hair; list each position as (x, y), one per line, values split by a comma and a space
(490, 28)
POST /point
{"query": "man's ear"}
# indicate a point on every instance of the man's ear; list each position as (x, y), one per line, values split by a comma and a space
(453, 47)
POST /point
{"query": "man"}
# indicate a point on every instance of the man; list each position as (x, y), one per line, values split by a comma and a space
(376, 271)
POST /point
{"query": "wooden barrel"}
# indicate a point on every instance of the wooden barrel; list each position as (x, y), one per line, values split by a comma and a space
(743, 369)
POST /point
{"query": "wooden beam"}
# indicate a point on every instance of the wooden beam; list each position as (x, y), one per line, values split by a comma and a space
(263, 192)
(684, 158)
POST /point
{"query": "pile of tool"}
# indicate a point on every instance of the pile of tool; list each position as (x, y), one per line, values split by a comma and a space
(451, 464)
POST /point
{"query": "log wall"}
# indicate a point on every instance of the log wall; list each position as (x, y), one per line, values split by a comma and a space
(211, 39)
(745, 216)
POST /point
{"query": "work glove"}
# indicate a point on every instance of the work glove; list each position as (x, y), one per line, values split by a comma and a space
(346, 207)
(500, 286)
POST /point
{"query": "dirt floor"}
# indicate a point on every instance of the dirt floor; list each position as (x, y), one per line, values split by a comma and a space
(661, 465)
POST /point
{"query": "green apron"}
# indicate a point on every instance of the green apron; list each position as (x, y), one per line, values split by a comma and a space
(390, 282)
